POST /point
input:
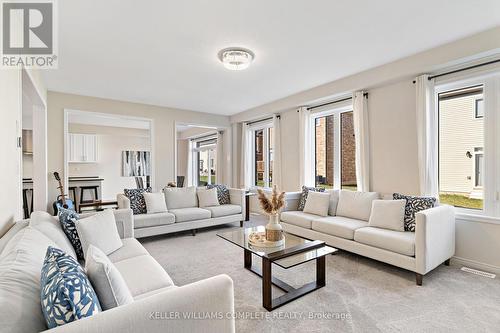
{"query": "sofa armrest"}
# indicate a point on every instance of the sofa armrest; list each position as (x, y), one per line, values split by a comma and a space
(123, 201)
(434, 237)
(292, 200)
(168, 311)
(124, 222)
(237, 196)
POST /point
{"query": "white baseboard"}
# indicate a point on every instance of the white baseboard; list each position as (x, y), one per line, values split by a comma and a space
(477, 265)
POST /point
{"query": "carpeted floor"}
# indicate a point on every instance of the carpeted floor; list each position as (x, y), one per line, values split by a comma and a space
(361, 295)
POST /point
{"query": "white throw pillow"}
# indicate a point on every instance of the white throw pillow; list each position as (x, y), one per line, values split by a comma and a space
(334, 201)
(208, 198)
(99, 230)
(388, 214)
(155, 202)
(180, 197)
(356, 205)
(317, 203)
(107, 281)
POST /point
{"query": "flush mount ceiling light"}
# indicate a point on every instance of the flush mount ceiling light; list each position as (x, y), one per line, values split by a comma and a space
(236, 58)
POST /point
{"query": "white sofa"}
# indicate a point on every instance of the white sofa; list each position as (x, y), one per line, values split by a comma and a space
(432, 243)
(184, 213)
(22, 251)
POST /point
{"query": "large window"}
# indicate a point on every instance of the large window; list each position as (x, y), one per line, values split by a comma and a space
(263, 156)
(205, 156)
(334, 148)
(461, 141)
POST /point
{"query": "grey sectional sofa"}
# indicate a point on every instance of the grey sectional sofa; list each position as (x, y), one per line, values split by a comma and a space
(22, 251)
(432, 243)
(184, 213)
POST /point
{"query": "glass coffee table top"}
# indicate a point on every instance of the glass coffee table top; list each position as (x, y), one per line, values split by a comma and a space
(240, 237)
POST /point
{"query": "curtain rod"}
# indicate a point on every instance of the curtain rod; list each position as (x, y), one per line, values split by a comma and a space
(462, 69)
(333, 102)
(213, 135)
(261, 120)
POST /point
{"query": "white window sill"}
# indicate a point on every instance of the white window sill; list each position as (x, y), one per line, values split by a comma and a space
(472, 217)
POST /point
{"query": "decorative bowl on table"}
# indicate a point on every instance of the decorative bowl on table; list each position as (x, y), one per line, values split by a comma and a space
(258, 239)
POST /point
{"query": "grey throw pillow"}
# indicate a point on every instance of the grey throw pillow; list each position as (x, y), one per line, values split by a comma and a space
(414, 205)
(305, 192)
(107, 281)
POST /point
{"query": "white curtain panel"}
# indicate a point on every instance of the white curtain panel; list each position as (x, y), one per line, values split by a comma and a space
(306, 149)
(427, 136)
(219, 171)
(189, 166)
(277, 168)
(362, 138)
(246, 157)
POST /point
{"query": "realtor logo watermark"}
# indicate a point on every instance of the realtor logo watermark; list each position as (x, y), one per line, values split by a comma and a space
(29, 34)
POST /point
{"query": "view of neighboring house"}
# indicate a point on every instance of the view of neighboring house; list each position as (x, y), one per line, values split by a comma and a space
(461, 141)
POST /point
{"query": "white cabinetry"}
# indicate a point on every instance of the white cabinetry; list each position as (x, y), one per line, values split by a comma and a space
(83, 148)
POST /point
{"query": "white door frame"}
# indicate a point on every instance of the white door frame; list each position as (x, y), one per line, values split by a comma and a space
(68, 112)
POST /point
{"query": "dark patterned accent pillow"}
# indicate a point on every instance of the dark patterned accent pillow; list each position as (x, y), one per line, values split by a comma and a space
(222, 193)
(414, 205)
(305, 192)
(67, 219)
(136, 197)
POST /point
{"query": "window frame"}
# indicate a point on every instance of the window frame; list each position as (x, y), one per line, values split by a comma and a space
(264, 126)
(337, 147)
(476, 108)
(196, 150)
(491, 159)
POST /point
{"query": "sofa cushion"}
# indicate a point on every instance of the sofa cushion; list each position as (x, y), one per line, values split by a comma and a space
(155, 202)
(388, 214)
(66, 292)
(152, 220)
(153, 292)
(20, 266)
(222, 193)
(137, 201)
(107, 281)
(180, 197)
(131, 248)
(402, 242)
(207, 197)
(339, 226)
(334, 201)
(298, 218)
(190, 214)
(317, 203)
(67, 219)
(356, 205)
(413, 206)
(224, 210)
(99, 230)
(143, 274)
(50, 227)
(305, 192)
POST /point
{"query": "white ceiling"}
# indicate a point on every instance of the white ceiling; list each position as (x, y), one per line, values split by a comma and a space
(165, 52)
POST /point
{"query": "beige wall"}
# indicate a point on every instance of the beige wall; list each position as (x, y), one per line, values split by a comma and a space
(10, 129)
(164, 129)
(112, 141)
(182, 157)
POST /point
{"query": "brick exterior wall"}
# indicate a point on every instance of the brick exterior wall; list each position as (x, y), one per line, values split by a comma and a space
(348, 149)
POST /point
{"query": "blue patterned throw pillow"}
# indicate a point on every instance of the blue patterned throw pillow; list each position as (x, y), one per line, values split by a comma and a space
(67, 219)
(222, 193)
(66, 293)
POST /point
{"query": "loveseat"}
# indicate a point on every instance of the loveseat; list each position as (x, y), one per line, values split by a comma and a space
(431, 244)
(158, 306)
(184, 212)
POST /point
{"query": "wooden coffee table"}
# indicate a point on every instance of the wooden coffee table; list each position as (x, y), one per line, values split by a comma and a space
(296, 251)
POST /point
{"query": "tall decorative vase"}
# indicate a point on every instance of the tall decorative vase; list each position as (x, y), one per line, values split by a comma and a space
(274, 230)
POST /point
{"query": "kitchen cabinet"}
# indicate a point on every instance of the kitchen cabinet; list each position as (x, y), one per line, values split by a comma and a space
(83, 148)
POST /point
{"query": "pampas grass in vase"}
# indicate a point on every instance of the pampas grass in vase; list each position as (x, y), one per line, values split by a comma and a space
(272, 207)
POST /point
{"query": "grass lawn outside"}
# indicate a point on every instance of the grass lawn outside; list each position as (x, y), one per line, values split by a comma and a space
(205, 179)
(458, 200)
